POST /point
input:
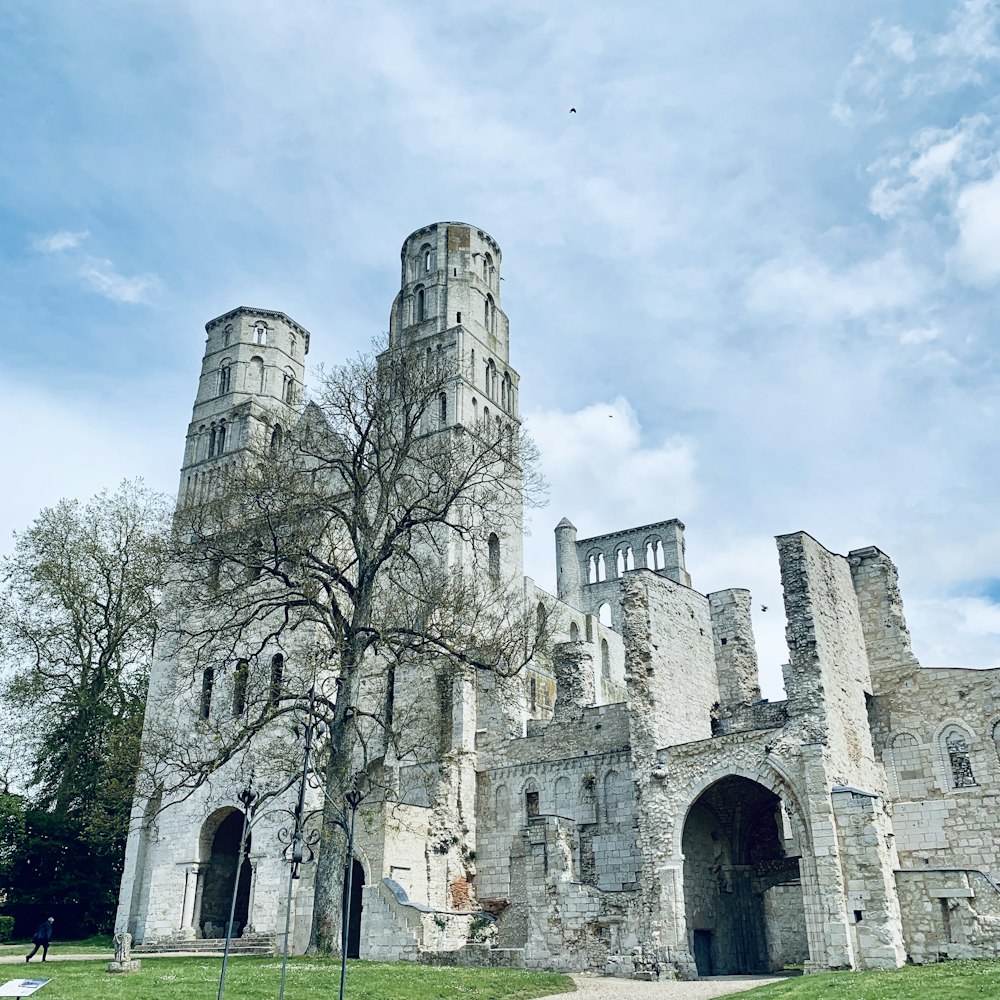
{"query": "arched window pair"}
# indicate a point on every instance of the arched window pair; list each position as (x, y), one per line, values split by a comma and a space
(624, 559)
(217, 439)
(491, 378)
(654, 554)
(260, 334)
(596, 570)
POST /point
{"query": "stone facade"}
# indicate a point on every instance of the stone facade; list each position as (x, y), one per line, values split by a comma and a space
(632, 806)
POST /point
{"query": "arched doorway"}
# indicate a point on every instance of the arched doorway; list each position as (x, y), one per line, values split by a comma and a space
(354, 910)
(742, 885)
(220, 873)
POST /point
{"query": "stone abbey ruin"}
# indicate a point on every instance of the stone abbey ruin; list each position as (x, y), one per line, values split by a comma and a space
(637, 807)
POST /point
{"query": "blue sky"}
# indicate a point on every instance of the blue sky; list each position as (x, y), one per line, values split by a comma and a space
(767, 244)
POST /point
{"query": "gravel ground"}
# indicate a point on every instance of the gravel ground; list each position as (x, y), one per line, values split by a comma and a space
(605, 988)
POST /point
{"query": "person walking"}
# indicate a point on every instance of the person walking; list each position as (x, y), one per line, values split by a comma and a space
(42, 939)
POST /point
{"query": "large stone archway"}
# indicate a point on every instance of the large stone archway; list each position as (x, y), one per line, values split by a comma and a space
(220, 842)
(742, 883)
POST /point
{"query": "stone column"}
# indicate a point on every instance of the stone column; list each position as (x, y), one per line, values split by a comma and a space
(250, 928)
(192, 897)
(868, 863)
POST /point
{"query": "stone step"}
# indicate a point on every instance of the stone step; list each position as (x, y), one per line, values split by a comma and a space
(251, 944)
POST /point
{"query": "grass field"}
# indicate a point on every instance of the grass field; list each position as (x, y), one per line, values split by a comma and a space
(257, 979)
(945, 981)
(100, 944)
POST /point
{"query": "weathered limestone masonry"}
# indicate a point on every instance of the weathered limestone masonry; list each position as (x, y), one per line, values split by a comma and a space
(630, 804)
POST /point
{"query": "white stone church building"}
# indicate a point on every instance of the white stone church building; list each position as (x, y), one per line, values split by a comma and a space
(652, 812)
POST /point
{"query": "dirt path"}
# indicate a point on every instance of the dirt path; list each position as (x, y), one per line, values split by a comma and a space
(603, 988)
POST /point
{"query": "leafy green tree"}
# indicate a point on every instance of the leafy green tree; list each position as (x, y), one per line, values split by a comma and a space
(78, 627)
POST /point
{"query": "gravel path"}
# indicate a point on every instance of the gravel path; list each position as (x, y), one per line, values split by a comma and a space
(605, 988)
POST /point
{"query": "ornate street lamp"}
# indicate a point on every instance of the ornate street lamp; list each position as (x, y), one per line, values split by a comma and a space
(353, 798)
(247, 796)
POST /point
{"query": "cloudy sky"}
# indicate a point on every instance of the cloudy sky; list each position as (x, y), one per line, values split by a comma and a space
(752, 283)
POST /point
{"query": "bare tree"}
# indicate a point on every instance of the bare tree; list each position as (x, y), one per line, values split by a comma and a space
(366, 539)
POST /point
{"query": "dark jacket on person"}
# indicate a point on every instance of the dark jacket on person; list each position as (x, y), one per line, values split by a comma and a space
(43, 934)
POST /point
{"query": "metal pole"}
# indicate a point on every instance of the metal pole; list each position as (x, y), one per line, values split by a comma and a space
(297, 853)
(353, 799)
(288, 920)
(247, 797)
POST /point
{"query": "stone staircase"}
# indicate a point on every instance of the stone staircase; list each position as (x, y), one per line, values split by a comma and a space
(249, 944)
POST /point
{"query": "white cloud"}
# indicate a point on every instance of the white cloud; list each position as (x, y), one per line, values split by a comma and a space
(957, 632)
(65, 239)
(976, 256)
(808, 290)
(919, 335)
(602, 476)
(103, 278)
(896, 64)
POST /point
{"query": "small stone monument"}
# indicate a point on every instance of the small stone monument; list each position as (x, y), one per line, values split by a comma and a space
(124, 962)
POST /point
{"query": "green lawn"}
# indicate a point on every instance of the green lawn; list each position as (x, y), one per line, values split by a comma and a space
(99, 944)
(257, 979)
(944, 981)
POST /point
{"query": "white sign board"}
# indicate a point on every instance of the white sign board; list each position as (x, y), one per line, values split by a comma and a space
(22, 987)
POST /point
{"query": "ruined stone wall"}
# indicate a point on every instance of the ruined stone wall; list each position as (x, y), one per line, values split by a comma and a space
(593, 793)
(735, 651)
(828, 677)
(938, 734)
(670, 659)
(949, 913)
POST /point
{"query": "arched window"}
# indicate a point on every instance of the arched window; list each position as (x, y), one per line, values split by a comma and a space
(531, 798)
(629, 558)
(619, 562)
(240, 677)
(494, 557)
(288, 387)
(491, 315)
(207, 682)
(533, 694)
(255, 375)
(473, 366)
(604, 614)
(955, 749)
(486, 417)
(487, 302)
(227, 335)
(224, 377)
(475, 410)
(421, 305)
(443, 409)
(507, 392)
(591, 569)
(660, 561)
(260, 334)
(602, 573)
(220, 438)
(427, 258)
(211, 441)
(540, 620)
(277, 671)
(293, 345)
(574, 632)
(491, 378)
(605, 659)
(275, 438)
(996, 738)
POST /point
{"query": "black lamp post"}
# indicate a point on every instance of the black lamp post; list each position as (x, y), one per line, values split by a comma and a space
(299, 849)
(353, 798)
(247, 797)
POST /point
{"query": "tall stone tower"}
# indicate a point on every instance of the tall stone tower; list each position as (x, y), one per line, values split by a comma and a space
(249, 392)
(449, 302)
